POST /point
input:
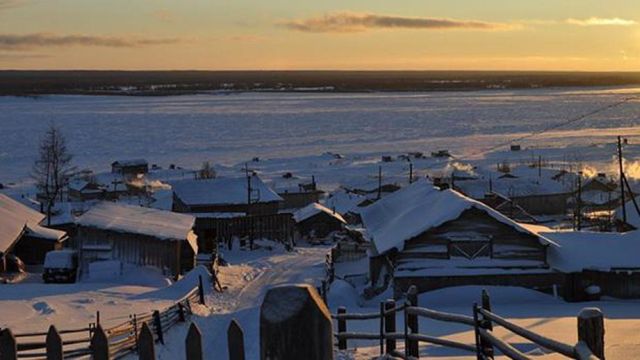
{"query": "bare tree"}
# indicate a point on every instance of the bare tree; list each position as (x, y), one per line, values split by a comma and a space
(52, 168)
(206, 171)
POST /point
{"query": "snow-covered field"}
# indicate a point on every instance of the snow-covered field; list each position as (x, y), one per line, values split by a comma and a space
(227, 129)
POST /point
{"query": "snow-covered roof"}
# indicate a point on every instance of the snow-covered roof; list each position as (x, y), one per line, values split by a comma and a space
(417, 208)
(138, 220)
(344, 201)
(633, 218)
(14, 217)
(223, 191)
(579, 250)
(314, 209)
(520, 181)
(130, 162)
(42, 232)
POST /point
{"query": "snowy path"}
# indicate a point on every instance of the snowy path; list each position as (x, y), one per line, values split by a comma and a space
(305, 265)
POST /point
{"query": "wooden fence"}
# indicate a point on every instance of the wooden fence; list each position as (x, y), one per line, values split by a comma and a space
(590, 331)
(94, 341)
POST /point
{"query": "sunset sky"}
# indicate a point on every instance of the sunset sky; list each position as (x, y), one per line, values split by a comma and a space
(330, 34)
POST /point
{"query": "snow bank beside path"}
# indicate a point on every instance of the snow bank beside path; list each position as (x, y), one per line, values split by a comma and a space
(182, 287)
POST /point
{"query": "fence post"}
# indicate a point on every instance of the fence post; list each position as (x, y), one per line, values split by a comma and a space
(8, 346)
(295, 324)
(591, 330)
(342, 328)
(193, 343)
(381, 328)
(146, 350)
(487, 347)
(390, 323)
(235, 341)
(53, 344)
(201, 290)
(476, 329)
(412, 321)
(99, 344)
(134, 322)
(157, 323)
(181, 317)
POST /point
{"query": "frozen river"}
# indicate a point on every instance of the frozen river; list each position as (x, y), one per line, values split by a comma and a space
(187, 130)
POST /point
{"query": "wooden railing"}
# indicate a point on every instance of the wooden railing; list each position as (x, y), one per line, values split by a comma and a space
(112, 343)
(590, 331)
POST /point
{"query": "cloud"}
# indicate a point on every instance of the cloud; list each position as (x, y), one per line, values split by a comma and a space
(357, 22)
(596, 21)
(8, 4)
(42, 40)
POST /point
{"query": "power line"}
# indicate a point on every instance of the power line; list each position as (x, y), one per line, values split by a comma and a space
(557, 126)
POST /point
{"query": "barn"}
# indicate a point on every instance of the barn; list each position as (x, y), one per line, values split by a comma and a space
(22, 234)
(137, 235)
(317, 221)
(438, 238)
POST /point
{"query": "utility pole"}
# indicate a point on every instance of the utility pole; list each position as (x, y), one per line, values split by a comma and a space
(410, 172)
(579, 202)
(624, 207)
(379, 182)
(246, 170)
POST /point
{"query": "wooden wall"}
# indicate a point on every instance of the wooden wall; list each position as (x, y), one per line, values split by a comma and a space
(173, 256)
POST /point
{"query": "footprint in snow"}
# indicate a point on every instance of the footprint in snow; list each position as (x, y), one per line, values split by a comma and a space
(43, 308)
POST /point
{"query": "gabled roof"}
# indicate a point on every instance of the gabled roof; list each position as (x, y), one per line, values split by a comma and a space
(314, 209)
(131, 219)
(223, 191)
(14, 217)
(417, 208)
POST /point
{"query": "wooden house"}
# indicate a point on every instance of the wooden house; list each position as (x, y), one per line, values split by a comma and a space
(137, 235)
(596, 264)
(82, 190)
(538, 191)
(296, 193)
(232, 207)
(435, 238)
(131, 167)
(317, 221)
(22, 234)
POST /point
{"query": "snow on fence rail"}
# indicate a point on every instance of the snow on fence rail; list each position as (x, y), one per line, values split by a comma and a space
(590, 331)
(111, 343)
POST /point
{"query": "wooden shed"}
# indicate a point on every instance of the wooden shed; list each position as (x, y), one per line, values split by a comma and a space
(436, 238)
(137, 235)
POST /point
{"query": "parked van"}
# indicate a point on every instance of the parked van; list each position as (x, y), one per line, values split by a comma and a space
(60, 266)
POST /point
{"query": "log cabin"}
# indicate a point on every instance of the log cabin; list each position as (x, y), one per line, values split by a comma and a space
(22, 234)
(317, 221)
(137, 235)
(434, 238)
